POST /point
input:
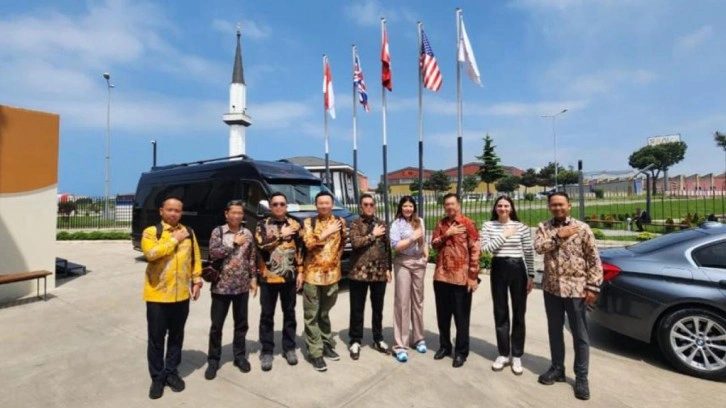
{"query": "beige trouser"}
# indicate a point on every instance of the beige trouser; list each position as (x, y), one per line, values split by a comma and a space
(408, 300)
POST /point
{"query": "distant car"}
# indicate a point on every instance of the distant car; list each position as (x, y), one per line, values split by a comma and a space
(671, 290)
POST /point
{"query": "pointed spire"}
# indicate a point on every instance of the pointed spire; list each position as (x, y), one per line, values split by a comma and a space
(238, 74)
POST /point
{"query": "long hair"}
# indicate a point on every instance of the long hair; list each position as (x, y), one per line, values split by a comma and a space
(512, 214)
(415, 220)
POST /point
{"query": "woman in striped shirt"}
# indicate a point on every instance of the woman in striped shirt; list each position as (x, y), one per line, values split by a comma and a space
(510, 242)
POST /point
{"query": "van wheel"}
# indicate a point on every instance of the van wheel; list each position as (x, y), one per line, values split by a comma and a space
(694, 341)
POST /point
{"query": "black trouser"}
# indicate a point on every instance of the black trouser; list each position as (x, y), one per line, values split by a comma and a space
(163, 319)
(453, 300)
(556, 307)
(220, 307)
(358, 293)
(509, 278)
(269, 292)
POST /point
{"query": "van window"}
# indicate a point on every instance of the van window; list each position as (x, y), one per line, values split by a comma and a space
(301, 193)
(253, 194)
(222, 192)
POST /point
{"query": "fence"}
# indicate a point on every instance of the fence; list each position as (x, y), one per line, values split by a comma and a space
(609, 212)
(86, 213)
(612, 211)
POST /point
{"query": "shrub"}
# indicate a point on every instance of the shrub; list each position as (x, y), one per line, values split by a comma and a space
(432, 255)
(485, 260)
(669, 225)
(93, 235)
(598, 234)
(645, 236)
(599, 193)
(529, 197)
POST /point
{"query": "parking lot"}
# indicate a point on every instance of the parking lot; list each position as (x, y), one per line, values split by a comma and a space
(86, 347)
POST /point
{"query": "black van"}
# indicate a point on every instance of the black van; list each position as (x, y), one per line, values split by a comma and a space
(206, 186)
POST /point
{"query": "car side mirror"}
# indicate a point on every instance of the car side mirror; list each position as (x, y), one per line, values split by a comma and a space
(263, 207)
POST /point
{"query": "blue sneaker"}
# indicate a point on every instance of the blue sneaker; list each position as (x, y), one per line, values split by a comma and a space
(402, 356)
(421, 347)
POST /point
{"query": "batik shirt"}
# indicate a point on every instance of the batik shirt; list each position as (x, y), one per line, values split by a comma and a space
(457, 260)
(239, 266)
(571, 266)
(280, 258)
(369, 260)
(322, 261)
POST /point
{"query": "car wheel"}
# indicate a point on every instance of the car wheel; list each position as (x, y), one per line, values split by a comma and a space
(694, 341)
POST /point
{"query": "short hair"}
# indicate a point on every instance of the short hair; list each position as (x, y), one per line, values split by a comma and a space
(278, 194)
(449, 195)
(364, 196)
(235, 203)
(558, 193)
(324, 194)
(171, 197)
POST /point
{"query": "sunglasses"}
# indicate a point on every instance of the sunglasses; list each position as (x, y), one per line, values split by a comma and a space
(368, 204)
(278, 204)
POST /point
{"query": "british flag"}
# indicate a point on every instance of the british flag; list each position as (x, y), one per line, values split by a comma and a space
(360, 84)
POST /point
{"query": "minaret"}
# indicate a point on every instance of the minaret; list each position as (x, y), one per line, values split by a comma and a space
(237, 118)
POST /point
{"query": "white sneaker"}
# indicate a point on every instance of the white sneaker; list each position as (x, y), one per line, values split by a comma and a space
(500, 363)
(517, 366)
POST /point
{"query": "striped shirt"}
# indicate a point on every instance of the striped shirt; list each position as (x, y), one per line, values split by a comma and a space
(518, 245)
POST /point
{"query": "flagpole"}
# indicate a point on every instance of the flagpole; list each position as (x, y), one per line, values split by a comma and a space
(328, 180)
(355, 133)
(459, 114)
(386, 204)
(420, 126)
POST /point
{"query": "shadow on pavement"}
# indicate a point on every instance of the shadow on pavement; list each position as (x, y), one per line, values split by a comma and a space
(618, 344)
(62, 279)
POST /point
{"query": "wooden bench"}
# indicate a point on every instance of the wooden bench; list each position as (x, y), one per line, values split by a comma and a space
(62, 266)
(26, 276)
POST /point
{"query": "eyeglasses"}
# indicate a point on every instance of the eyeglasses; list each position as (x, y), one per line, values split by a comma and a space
(368, 205)
(278, 204)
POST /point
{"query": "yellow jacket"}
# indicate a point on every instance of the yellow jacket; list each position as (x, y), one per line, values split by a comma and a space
(169, 272)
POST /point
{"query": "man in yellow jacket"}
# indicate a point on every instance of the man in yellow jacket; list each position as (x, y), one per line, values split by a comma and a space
(173, 273)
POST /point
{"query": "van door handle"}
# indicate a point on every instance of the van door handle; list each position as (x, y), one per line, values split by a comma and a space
(722, 284)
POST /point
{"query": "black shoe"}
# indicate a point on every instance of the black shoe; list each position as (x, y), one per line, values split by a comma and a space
(582, 388)
(319, 364)
(458, 361)
(157, 389)
(291, 357)
(552, 376)
(211, 372)
(442, 353)
(175, 383)
(381, 347)
(243, 365)
(330, 354)
(266, 362)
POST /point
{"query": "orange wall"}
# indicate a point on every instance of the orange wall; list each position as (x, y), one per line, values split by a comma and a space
(28, 150)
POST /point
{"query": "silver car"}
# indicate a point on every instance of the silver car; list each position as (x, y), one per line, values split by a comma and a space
(671, 290)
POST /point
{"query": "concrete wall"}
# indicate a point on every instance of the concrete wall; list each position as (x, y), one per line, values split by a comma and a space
(28, 196)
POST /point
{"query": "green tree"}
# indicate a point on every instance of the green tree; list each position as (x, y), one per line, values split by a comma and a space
(546, 174)
(380, 190)
(469, 183)
(490, 170)
(507, 184)
(414, 186)
(438, 181)
(661, 156)
(568, 177)
(529, 179)
(66, 208)
(720, 139)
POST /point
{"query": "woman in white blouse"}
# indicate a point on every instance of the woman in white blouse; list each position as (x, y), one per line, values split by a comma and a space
(408, 237)
(512, 272)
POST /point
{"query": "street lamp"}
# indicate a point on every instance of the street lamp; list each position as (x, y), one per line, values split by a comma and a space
(109, 86)
(554, 136)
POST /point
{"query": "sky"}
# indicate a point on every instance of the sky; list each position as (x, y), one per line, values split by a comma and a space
(626, 70)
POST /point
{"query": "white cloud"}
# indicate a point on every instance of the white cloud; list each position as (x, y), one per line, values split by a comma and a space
(368, 13)
(606, 81)
(693, 39)
(249, 28)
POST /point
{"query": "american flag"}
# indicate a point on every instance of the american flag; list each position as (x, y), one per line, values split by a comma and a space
(429, 67)
(360, 84)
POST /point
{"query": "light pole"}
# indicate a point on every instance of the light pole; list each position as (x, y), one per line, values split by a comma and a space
(554, 136)
(153, 160)
(109, 86)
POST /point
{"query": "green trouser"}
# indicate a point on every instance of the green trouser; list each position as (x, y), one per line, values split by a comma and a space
(317, 302)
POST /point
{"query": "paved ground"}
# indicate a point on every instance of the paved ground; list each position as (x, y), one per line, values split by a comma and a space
(85, 347)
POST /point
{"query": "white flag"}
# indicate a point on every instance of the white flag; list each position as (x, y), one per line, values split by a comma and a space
(466, 54)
